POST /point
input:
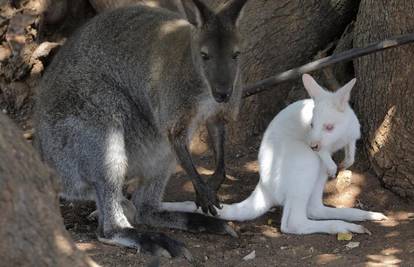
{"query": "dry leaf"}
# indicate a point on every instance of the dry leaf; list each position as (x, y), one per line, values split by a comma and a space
(344, 236)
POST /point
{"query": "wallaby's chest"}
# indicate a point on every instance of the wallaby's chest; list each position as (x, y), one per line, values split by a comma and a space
(205, 109)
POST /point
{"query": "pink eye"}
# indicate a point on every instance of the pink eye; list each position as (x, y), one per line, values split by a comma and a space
(329, 127)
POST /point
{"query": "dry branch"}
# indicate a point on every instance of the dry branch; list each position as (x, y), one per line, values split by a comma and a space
(348, 55)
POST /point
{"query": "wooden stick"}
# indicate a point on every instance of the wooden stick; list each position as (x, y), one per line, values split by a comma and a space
(347, 55)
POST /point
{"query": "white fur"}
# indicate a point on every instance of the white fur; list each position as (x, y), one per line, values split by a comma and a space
(293, 175)
(115, 158)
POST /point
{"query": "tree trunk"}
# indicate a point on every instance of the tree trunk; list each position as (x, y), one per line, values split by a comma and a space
(281, 35)
(385, 96)
(31, 228)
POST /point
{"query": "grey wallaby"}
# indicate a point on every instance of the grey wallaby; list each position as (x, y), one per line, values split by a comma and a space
(123, 97)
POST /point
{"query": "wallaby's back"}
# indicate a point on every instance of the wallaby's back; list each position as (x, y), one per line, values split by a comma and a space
(135, 48)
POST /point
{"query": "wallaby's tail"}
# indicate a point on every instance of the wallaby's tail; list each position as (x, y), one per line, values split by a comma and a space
(250, 208)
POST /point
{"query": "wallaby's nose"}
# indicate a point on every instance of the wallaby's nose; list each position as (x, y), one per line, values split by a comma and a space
(221, 97)
(315, 146)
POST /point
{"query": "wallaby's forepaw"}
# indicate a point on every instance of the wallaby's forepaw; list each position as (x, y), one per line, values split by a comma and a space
(206, 198)
(345, 164)
(332, 170)
(157, 244)
(200, 223)
(376, 216)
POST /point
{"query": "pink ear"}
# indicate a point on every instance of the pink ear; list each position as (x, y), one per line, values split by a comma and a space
(344, 94)
(312, 87)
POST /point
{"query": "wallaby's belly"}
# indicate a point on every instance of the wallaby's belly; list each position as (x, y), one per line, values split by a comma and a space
(285, 160)
(285, 165)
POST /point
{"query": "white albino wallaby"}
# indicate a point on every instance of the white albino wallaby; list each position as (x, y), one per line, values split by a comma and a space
(295, 163)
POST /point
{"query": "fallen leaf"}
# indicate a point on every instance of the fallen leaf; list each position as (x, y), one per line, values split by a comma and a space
(344, 236)
(250, 256)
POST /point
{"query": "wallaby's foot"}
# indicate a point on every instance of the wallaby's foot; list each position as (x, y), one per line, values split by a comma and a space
(320, 212)
(127, 206)
(376, 216)
(329, 227)
(157, 244)
(207, 199)
(345, 227)
(200, 223)
(192, 222)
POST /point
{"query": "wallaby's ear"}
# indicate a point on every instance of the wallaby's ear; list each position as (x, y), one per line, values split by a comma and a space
(233, 10)
(314, 90)
(197, 12)
(344, 94)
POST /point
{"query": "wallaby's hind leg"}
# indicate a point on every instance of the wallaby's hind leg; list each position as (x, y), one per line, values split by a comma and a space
(147, 200)
(127, 206)
(114, 227)
(318, 211)
(295, 212)
(295, 221)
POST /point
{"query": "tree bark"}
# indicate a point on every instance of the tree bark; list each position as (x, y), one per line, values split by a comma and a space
(385, 96)
(31, 228)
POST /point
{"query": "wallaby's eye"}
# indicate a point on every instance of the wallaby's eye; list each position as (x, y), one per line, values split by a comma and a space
(311, 124)
(328, 127)
(235, 55)
(205, 56)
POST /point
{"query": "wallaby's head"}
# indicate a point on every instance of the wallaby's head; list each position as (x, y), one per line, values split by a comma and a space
(331, 114)
(216, 44)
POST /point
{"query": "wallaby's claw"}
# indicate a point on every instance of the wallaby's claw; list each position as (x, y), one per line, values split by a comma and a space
(206, 198)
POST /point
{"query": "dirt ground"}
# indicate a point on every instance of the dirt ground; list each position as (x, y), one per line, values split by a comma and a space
(391, 242)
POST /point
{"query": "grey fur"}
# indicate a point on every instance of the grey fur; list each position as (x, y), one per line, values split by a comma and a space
(122, 99)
